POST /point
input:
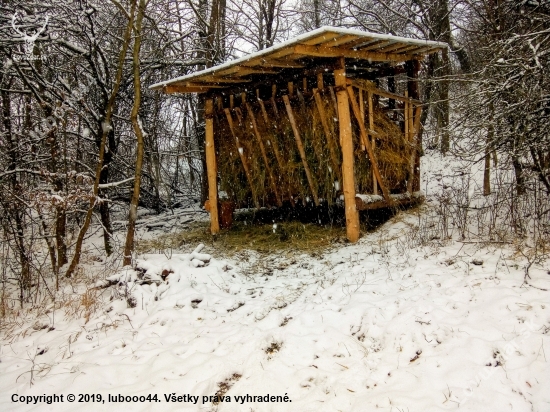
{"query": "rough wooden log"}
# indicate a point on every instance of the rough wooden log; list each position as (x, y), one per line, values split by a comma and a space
(301, 149)
(211, 167)
(346, 142)
(242, 156)
(320, 84)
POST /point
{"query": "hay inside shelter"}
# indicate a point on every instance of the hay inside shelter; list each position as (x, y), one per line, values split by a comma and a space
(283, 158)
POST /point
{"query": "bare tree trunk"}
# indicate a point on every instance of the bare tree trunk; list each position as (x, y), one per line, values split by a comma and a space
(104, 132)
(136, 123)
(24, 261)
(488, 144)
(444, 102)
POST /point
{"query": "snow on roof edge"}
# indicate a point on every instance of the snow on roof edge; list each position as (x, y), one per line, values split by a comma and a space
(301, 37)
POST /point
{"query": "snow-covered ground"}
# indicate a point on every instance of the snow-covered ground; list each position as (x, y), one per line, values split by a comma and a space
(400, 321)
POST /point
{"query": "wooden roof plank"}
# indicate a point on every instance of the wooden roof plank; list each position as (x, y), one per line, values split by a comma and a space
(377, 45)
(325, 42)
(320, 51)
(321, 38)
(265, 62)
(218, 79)
(342, 40)
(171, 89)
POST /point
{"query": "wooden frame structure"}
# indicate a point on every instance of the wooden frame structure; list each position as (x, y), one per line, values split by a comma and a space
(326, 65)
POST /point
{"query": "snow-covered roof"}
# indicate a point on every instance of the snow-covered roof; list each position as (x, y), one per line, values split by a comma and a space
(322, 43)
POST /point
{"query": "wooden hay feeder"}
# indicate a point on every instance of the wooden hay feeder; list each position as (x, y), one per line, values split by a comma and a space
(314, 119)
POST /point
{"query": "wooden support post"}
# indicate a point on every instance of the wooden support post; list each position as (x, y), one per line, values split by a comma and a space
(211, 167)
(346, 142)
(240, 150)
(231, 101)
(371, 127)
(330, 138)
(273, 91)
(264, 154)
(290, 88)
(243, 98)
(301, 149)
(304, 84)
(367, 143)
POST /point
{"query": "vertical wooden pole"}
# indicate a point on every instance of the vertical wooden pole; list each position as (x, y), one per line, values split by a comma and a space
(373, 139)
(320, 84)
(290, 88)
(211, 167)
(346, 141)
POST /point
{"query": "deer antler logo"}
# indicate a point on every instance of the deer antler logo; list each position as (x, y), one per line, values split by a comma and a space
(29, 40)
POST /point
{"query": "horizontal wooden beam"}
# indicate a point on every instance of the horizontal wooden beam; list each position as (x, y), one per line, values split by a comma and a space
(398, 200)
(321, 51)
(170, 89)
(216, 79)
(244, 71)
(283, 64)
(209, 85)
(369, 86)
(344, 39)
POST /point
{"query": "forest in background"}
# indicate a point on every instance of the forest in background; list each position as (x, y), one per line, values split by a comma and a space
(81, 134)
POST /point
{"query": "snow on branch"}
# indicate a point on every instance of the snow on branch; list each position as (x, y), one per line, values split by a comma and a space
(114, 184)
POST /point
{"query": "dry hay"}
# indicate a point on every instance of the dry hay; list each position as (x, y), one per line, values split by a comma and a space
(293, 237)
(291, 181)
